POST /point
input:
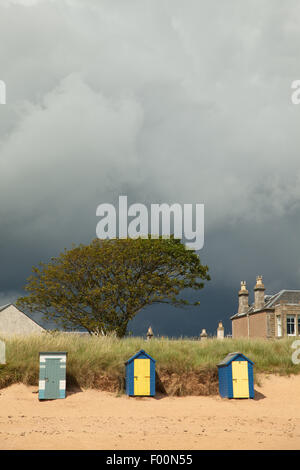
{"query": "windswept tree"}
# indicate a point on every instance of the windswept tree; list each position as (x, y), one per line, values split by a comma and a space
(102, 286)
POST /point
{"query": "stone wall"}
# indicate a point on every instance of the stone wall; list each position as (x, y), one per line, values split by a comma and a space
(257, 326)
(239, 327)
(271, 325)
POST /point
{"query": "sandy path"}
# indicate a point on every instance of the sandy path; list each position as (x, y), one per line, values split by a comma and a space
(101, 420)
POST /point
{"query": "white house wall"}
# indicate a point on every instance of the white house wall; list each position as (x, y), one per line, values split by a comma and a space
(2, 352)
(14, 322)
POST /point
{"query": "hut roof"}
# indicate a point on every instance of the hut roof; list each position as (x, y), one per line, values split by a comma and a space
(42, 353)
(231, 356)
(139, 353)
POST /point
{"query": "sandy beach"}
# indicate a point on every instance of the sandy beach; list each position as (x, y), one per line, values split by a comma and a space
(93, 419)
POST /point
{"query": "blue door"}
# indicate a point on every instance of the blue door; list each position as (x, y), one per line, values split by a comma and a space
(52, 374)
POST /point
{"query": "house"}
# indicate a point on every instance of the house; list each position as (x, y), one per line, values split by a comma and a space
(270, 316)
(14, 321)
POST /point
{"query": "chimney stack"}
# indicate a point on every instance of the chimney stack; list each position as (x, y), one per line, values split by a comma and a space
(259, 293)
(220, 331)
(149, 333)
(243, 298)
(203, 335)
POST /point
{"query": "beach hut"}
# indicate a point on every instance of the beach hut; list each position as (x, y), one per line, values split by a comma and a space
(52, 379)
(236, 376)
(140, 375)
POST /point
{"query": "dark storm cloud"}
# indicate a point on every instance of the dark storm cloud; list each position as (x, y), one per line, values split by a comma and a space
(164, 101)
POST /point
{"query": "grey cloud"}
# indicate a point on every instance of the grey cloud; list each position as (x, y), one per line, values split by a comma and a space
(163, 102)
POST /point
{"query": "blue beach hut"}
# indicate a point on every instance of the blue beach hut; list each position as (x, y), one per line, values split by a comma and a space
(236, 376)
(140, 375)
(52, 378)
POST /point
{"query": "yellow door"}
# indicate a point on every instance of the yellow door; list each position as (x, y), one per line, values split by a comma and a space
(240, 379)
(142, 376)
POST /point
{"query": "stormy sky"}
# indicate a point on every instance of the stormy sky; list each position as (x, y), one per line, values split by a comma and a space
(163, 101)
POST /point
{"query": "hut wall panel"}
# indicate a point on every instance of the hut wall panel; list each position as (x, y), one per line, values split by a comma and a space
(250, 376)
(223, 382)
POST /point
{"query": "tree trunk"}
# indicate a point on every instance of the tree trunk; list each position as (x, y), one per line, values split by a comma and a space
(121, 330)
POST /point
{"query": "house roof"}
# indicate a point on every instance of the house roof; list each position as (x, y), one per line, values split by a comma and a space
(4, 307)
(231, 356)
(21, 311)
(54, 353)
(285, 295)
(139, 353)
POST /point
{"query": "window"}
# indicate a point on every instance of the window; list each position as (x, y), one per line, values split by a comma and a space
(279, 330)
(290, 325)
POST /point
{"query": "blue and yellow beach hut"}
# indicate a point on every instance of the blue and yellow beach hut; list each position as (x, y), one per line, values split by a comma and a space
(140, 375)
(236, 376)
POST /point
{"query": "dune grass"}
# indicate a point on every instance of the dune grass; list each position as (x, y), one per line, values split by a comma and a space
(91, 358)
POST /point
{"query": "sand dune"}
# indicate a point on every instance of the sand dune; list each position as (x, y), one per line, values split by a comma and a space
(99, 420)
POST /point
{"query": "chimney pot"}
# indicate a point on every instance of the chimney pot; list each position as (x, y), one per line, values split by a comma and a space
(259, 293)
(220, 331)
(243, 298)
(203, 334)
(149, 333)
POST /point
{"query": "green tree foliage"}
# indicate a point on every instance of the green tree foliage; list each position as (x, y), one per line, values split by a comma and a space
(102, 286)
